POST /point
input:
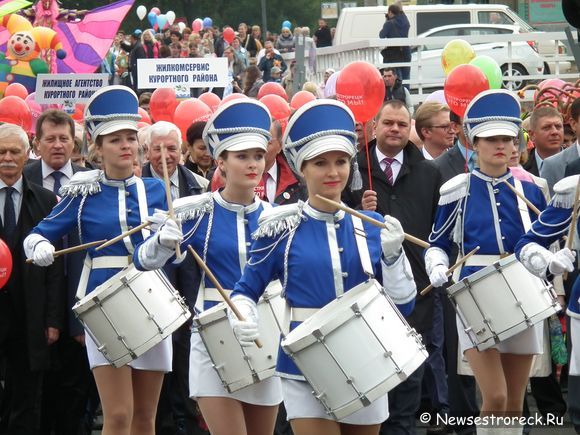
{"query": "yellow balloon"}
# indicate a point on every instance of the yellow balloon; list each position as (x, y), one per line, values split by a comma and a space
(456, 52)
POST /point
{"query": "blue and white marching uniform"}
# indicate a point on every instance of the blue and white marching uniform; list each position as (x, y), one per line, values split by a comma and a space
(102, 208)
(220, 232)
(532, 250)
(478, 210)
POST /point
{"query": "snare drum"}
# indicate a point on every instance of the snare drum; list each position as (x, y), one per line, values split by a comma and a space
(501, 300)
(130, 313)
(238, 366)
(355, 349)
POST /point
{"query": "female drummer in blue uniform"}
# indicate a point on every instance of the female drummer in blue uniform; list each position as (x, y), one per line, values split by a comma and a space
(102, 205)
(218, 226)
(478, 209)
(311, 248)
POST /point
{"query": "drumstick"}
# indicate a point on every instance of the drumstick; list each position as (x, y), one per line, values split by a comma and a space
(168, 192)
(370, 220)
(570, 240)
(522, 197)
(72, 249)
(451, 269)
(123, 235)
(220, 289)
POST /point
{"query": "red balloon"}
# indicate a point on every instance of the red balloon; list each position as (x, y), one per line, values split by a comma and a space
(361, 87)
(35, 111)
(163, 104)
(5, 263)
(274, 88)
(156, 10)
(232, 97)
(14, 110)
(141, 124)
(196, 25)
(144, 116)
(217, 181)
(16, 90)
(462, 84)
(278, 106)
(190, 111)
(229, 35)
(212, 100)
(300, 98)
(549, 94)
(79, 115)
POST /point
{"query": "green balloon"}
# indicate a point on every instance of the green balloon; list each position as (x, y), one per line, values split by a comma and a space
(491, 69)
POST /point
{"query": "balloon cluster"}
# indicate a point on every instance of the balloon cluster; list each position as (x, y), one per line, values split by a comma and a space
(467, 75)
(555, 93)
(157, 20)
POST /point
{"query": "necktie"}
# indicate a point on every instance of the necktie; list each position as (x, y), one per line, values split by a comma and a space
(9, 214)
(265, 184)
(57, 175)
(388, 169)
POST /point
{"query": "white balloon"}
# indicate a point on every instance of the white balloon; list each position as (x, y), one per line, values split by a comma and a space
(141, 12)
(181, 26)
(170, 17)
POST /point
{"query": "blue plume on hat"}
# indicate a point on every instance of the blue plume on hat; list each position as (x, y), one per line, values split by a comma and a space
(494, 112)
(318, 127)
(238, 125)
(111, 109)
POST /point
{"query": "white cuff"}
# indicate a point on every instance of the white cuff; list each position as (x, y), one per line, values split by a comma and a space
(398, 280)
(434, 257)
(30, 243)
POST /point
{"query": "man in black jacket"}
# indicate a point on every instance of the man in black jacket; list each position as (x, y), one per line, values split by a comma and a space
(405, 186)
(32, 301)
(136, 51)
(176, 413)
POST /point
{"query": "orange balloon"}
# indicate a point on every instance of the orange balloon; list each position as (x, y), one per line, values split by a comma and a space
(232, 97)
(190, 111)
(300, 98)
(14, 110)
(212, 100)
(278, 106)
(79, 114)
(272, 88)
(144, 116)
(163, 104)
(16, 90)
(5, 263)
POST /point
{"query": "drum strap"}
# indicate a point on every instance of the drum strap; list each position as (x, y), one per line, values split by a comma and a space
(143, 209)
(361, 244)
(212, 294)
(522, 207)
(105, 262)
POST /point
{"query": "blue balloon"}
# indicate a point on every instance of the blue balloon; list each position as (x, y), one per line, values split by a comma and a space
(287, 24)
(152, 17)
(207, 22)
(161, 21)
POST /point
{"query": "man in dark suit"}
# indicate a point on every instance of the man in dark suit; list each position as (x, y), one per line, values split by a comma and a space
(176, 413)
(405, 186)
(136, 52)
(279, 185)
(32, 302)
(547, 134)
(67, 388)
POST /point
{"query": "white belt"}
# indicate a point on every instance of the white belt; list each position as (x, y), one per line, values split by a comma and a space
(212, 294)
(302, 314)
(111, 261)
(482, 260)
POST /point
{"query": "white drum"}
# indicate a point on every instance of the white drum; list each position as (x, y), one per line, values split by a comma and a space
(355, 349)
(239, 366)
(130, 313)
(501, 300)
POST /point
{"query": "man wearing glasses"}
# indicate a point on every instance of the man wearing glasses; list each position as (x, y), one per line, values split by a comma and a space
(434, 128)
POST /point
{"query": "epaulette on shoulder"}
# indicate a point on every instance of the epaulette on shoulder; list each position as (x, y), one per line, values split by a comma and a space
(82, 183)
(454, 189)
(191, 207)
(276, 220)
(565, 192)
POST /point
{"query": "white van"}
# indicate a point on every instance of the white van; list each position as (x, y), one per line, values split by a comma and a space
(363, 23)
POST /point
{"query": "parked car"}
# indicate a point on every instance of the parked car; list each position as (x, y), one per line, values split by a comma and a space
(525, 58)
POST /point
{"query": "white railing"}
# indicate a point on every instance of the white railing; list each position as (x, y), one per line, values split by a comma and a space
(337, 57)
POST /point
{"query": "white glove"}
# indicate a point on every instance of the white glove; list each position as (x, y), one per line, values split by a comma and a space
(392, 237)
(438, 275)
(157, 220)
(246, 331)
(170, 234)
(562, 261)
(536, 259)
(39, 249)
